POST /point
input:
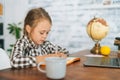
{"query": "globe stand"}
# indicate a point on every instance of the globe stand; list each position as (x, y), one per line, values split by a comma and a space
(96, 48)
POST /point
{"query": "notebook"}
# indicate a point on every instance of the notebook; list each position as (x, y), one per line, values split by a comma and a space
(71, 60)
(102, 62)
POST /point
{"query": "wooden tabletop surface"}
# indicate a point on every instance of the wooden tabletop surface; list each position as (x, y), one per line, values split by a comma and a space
(75, 71)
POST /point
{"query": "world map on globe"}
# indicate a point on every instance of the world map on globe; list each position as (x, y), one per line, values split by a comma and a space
(97, 29)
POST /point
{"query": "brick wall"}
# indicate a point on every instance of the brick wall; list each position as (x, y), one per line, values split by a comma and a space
(70, 20)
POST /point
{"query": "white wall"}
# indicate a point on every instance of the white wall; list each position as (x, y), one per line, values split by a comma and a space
(14, 12)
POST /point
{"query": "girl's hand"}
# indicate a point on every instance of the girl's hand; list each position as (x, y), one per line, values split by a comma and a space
(57, 55)
(42, 58)
(52, 55)
(62, 55)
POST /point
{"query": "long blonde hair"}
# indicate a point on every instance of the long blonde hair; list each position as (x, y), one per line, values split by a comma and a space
(34, 16)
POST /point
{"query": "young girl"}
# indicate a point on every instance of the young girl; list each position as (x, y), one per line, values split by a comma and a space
(33, 47)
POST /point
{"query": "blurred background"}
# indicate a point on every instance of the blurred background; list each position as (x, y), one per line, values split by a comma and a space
(70, 19)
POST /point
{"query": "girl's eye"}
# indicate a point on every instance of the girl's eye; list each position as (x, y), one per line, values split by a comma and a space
(47, 33)
(44, 33)
(41, 32)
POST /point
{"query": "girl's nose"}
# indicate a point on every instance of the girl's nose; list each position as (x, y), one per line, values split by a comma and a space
(45, 35)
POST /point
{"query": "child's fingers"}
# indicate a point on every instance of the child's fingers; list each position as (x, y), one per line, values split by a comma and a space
(62, 55)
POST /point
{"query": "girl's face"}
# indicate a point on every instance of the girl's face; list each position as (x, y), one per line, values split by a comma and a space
(39, 33)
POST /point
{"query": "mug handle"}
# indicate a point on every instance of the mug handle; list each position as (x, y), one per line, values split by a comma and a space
(40, 69)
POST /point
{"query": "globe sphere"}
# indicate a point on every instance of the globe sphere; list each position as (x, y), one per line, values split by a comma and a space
(97, 29)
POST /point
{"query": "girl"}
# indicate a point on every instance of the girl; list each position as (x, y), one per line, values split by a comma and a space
(33, 47)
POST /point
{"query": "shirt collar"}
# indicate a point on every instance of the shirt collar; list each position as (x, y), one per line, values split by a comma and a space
(30, 42)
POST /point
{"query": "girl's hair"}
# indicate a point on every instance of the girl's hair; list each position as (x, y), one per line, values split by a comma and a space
(34, 16)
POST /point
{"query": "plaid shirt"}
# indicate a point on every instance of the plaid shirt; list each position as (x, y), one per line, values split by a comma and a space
(24, 52)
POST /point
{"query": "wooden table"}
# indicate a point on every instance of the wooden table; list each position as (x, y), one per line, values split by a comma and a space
(75, 71)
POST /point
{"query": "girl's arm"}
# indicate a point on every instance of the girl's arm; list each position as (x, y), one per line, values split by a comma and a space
(18, 59)
(50, 48)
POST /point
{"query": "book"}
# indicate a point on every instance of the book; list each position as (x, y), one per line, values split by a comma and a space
(71, 60)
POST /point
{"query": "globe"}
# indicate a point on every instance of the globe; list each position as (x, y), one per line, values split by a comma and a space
(97, 29)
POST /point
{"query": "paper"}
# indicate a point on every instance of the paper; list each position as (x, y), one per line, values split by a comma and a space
(94, 55)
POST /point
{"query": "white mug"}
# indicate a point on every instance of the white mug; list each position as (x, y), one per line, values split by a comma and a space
(55, 67)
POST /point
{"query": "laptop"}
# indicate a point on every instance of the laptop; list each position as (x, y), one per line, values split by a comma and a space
(102, 62)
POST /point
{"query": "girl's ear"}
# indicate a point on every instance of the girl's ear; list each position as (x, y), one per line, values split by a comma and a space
(28, 28)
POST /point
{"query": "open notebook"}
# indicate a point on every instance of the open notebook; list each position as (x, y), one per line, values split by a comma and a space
(71, 60)
(102, 62)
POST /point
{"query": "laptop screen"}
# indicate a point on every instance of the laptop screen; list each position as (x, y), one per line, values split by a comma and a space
(102, 62)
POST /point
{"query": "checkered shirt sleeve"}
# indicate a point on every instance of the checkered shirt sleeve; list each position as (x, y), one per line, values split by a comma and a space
(19, 57)
(50, 48)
